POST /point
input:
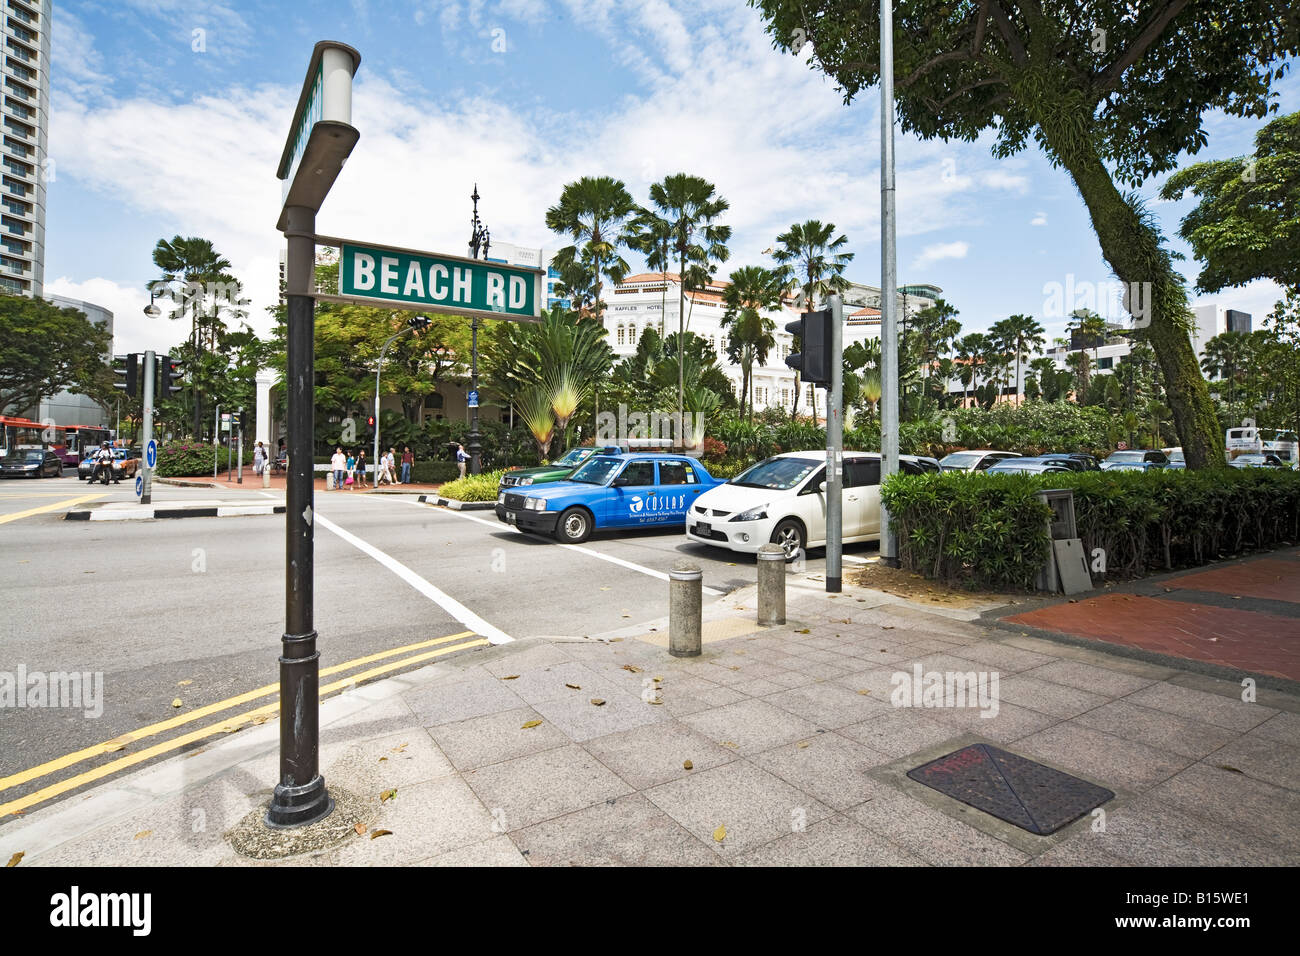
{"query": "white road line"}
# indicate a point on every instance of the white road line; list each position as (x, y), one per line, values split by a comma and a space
(641, 569)
(449, 604)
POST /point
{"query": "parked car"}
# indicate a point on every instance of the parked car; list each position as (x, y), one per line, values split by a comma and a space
(1109, 465)
(125, 463)
(1031, 466)
(1075, 461)
(1262, 460)
(782, 500)
(977, 460)
(31, 463)
(609, 491)
(558, 470)
(1175, 456)
(1151, 456)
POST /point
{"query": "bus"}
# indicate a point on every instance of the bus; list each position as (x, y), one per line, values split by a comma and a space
(70, 442)
(1247, 439)
(18, 433)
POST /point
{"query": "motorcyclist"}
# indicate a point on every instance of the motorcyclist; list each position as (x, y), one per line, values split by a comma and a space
(104, 460)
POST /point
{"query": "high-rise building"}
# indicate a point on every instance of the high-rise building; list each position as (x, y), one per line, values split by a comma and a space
(26, 102)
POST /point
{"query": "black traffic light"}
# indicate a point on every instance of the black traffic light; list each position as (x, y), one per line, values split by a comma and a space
(127, 367)
(243, 421)
(370, 423)
(813, 363)
(170, 371)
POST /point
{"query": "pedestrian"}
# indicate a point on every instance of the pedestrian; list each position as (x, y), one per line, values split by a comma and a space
(390, 466)
(352, 471)
(338, 464)
(259, 459)
(407, 461)
(361, 467)
(461, 458)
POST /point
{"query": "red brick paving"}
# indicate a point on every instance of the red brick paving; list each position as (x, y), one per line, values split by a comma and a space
(1270, 578)
(1252, 641)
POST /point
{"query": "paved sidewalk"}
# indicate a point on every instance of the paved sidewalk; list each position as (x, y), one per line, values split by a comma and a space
(777, 746)
(277, 483)
(1241, 616)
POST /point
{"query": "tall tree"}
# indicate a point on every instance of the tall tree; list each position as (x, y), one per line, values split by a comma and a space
(1024, 336)
(934, 327)
(813, 256)
(652, 235)
(753, 290)
(44, 349)
(592, 212)
(1079, 77)
(691, 207)
(970, 354)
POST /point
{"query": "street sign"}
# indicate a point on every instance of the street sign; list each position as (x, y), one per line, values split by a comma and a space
(139, 485)
(471, 398)
(438, 282)
(151, 453)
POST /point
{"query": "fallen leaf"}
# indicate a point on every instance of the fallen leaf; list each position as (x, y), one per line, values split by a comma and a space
(731, 564)
(886, 627)
(399, 748)
(687, 765)
(176, 702)
(261, 719)
(720, 833)
(511, 677)
(631, 668)
(604, 589)
(360, 828)
(573, 687)
(1224, 766)
(184, 683)
(803, 745)
(658, 680)
(382, 759)
(388, 795)
(598, 701)
(615, 640)
(379, 833)
(728, 743)
(142, 834)
(528, 725)
(656, 701)
(13, 860)
(864, 692)
(804, 630)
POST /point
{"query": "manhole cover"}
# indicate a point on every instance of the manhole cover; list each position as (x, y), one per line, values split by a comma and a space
(1030, 795)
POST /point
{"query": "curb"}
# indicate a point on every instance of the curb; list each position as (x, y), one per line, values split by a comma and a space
(456, 505)
(225, 511)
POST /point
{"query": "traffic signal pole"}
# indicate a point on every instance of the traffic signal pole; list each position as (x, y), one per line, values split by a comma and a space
(888, 284)
(146, 434)
(835, 451)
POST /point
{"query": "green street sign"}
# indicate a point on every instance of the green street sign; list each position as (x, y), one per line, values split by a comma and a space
(440, 283)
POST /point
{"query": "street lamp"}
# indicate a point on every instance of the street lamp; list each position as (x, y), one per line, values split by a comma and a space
(479, 238)
(413, 324)
(153, 312)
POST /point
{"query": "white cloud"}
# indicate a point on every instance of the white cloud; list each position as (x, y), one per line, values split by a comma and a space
(1040, 219)
(944, 250)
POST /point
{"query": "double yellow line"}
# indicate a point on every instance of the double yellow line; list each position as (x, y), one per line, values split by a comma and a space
(227, 725)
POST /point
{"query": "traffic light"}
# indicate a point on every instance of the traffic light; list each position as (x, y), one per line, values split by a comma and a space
(169, 375)
(814, 363)
(243, 421)
(128, 368)
(370, 423)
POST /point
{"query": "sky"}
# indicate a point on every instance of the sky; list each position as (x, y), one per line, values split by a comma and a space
(168, 117)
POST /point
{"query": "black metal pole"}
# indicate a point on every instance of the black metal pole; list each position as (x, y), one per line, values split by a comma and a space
(300, 797)
(475, 439)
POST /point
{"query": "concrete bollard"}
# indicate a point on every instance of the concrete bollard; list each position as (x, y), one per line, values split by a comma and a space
(266, 474)
(685, 602)
(771, 585)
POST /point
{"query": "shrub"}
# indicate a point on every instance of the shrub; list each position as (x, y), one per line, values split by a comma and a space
(728, 468)
(989, 531)
(432, 472)
(182, 459)
(473, 487)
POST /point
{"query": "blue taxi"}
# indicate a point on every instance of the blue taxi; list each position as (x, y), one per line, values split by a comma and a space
(609, 491)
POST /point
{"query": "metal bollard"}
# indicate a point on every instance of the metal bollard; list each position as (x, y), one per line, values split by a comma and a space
(685, 590)
(771, 585)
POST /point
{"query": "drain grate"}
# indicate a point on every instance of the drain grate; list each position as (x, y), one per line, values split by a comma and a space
(1028, 794)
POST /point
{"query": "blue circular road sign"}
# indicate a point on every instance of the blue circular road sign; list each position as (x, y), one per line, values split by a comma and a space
(139, 485)
(151, 454)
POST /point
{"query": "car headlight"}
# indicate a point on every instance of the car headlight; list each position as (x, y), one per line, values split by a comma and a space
(501, 498)
(525, 481)
(535, 504)
(753, 514)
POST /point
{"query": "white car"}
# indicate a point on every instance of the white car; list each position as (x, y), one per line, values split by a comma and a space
(782, 500)
(980, 459)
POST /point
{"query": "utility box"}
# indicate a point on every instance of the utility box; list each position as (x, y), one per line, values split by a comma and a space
(1066, 568)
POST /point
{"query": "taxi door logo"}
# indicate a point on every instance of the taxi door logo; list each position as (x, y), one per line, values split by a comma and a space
(635, 504)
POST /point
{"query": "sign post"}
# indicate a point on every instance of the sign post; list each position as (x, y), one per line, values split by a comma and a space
(835, 451)
(321, 138)
(146, 432)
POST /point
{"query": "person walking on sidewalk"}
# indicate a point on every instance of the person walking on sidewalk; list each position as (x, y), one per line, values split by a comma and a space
(338, 464)
(259, 459)
(350, 480)
(461, 458)
(407, 461)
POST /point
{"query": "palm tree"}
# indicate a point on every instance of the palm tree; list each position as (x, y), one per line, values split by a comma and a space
(690, 207)
(1041, 366)
(651, 235)
(534, 404)
(814, 260)
(1091, 327)
(753, 291)
(194, 261)
(1022, 336)
(1223, 359)
(592, 211)
(935, 326)
(970, 352)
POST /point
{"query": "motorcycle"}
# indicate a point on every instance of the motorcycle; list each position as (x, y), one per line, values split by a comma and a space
(103, 471)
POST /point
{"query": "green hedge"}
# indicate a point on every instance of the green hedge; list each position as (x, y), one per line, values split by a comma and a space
(989, 531)
(193, 459)
(473, 487)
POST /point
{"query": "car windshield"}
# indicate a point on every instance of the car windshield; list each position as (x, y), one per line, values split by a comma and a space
(597, 471)
(574, 457)
(780, 474)
(959, 459)
(31, 455)
(1253, 459)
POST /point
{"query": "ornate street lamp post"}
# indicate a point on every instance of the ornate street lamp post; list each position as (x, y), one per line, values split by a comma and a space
(479, 239)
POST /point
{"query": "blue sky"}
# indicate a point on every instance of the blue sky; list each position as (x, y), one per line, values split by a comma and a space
(168, 116)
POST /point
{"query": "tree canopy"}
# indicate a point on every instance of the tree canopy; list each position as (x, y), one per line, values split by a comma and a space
(44, 349)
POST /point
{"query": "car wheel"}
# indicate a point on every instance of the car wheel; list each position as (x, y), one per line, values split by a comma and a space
(574, 526)
(789, 534)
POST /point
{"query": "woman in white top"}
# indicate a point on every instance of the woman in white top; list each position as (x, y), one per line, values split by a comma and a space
(339, 465)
